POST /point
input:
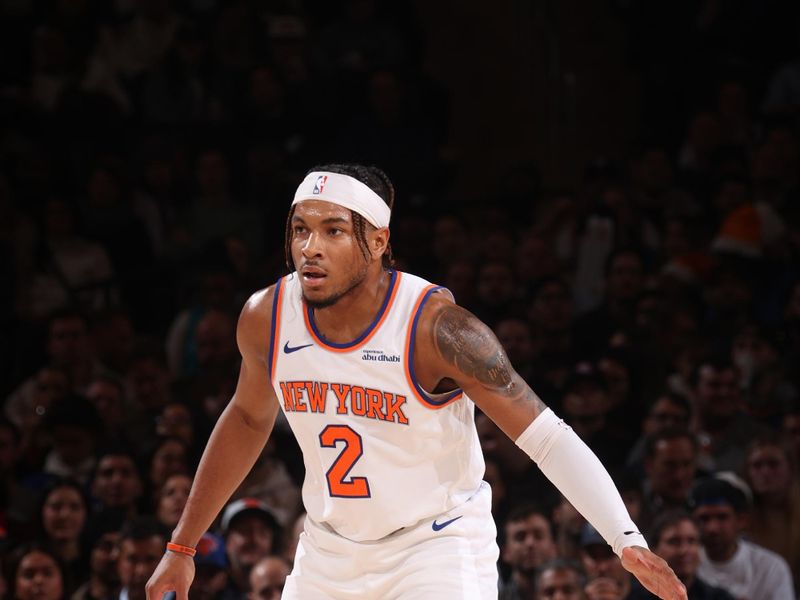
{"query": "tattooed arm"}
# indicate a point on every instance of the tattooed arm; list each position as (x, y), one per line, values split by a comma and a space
(455, 349)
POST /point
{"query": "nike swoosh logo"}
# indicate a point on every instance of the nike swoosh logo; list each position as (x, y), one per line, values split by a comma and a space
(439, 526)
(288, 349)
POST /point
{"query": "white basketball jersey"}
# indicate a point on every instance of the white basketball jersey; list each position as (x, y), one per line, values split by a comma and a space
(380, 452)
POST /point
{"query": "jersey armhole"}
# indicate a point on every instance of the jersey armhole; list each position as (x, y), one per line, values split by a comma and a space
(275, 330)
(424, 397)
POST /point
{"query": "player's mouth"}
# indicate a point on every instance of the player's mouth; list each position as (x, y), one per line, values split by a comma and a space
(313, 276)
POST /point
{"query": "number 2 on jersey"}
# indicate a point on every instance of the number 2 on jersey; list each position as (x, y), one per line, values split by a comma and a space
(338, 485)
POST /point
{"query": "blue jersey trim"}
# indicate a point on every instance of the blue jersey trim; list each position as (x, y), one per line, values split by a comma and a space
(410, 357)
(378, 318)
(276, 297)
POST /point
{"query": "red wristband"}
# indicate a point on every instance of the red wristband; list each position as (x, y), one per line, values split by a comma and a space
(189, 551)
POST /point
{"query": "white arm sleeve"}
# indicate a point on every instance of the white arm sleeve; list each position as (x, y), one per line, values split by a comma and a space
(578, 474)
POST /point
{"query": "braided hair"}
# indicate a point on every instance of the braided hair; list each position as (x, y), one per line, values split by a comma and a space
(378, 182)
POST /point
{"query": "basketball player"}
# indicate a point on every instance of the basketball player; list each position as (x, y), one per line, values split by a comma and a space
(377, 372)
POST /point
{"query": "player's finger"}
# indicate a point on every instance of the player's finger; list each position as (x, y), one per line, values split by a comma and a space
(182, 594)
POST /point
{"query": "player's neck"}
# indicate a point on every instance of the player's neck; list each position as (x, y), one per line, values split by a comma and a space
(354, 312)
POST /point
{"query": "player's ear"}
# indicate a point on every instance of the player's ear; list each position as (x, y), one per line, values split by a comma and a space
(378, 241)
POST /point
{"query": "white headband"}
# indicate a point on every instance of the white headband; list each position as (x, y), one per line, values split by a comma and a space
(345, 191)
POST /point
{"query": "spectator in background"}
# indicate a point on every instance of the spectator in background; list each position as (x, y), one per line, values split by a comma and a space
(528, 542)
(624, 281)
(142, 542)
(51, 384)
(112, 335)
(550, 316)
(211, 575)
(170, 457)
(70, 269)
(17, 502)
(569, 525)
(64, 511)
(147, 387)
(117, 483)
(550, 313)
(110, 219)
(669, 410)
(103, 581)
(629, 485)
(268, 578)
(774, 521)
(523, 478)
(675, 537)
(560, 580)
(35, 572)
(496, 295)
(742, 568)
(174, 91)
(671, 467)
(251, 533)
(68, 349)
(69, 346)
(140, 41)
(616, 367)
(753, 352)
(216, 296)
(720, 423)
(215, 212)
(171, 499)
(106, 393)
(586, 408)
(74, 427)
(216, 339)
(147, 380)
(607, 578)
(728, 295)
(176, 421)
(271, 482)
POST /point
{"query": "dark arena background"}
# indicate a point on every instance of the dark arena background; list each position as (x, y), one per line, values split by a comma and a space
(613, 186)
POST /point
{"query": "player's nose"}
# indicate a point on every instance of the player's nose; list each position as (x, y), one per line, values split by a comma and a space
(312, 247)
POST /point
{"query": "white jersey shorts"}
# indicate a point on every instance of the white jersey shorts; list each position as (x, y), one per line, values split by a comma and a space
(452, 556)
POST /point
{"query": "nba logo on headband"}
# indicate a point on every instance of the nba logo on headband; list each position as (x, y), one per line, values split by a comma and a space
(320, 184)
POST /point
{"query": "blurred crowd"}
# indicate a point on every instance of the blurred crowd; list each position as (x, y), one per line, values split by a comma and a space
(148, 154)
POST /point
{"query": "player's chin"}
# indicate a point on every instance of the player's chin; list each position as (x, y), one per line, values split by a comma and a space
(320, 297)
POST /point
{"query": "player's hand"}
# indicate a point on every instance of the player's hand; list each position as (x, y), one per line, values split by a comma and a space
(174, 573)
(653, 573)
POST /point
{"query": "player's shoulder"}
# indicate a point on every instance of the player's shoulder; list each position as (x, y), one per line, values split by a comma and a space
(255, 320)
(440, 315)
(260, 302)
